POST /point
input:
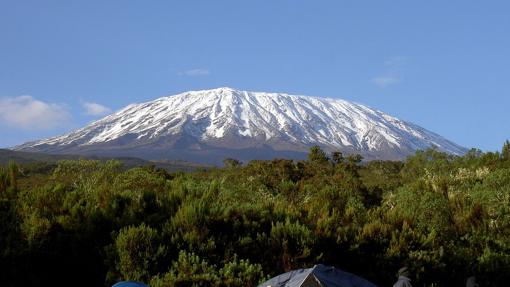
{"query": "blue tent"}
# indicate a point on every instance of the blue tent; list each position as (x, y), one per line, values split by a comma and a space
(317, 276)
(129, 284)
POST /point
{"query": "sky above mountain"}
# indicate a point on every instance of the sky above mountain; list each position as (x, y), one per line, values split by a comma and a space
(443, 65)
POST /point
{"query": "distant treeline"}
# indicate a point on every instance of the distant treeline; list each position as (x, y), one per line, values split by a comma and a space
(92, 223)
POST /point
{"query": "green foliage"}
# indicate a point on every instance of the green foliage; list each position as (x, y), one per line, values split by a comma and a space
(4, 180)
(188, 270)
(317, 155)
(9, 179)
(138, 252)
(292, 241)
(13, 171)
(191, 270)
(231, 163)
(240, 273)
(505, 151)
(444, 217)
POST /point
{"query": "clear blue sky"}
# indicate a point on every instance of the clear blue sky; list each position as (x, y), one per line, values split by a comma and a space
(444, 65)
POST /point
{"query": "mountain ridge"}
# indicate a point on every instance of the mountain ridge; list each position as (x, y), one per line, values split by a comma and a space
(224, 120)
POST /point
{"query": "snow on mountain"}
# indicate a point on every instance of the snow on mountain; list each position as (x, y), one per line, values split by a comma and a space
(227, 119)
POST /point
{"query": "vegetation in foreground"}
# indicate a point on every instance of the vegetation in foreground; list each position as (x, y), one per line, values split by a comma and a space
(90, 223)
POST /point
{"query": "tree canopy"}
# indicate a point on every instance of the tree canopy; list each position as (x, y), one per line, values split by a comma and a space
(95, 223)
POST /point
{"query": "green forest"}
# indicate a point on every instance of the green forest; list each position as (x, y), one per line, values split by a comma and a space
(93, 223)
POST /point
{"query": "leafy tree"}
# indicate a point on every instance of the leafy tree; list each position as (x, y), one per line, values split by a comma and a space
(231, 163)
(292, 241)
(4, 181)
(188, 270)
(240, 272)
(505, 152)
(446, 217)
(317, 155)
(13, 175)
(337, 157)
(138, 251)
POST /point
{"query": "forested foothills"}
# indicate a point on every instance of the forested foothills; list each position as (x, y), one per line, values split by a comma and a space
(93, 223)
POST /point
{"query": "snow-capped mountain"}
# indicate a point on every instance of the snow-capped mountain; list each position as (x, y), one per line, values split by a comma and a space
(209, 125)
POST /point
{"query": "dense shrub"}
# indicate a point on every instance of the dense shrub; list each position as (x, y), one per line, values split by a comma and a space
(444, 217)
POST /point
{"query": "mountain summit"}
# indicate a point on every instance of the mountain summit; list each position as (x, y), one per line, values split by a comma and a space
(210, 125)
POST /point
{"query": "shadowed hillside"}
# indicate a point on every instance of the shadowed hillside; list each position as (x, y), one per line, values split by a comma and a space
(21, 157)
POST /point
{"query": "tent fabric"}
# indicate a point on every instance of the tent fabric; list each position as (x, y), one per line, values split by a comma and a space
(129, 284)
(403, 281)
(318, 276)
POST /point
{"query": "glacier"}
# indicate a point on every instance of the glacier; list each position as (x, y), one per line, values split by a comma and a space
(225, 118)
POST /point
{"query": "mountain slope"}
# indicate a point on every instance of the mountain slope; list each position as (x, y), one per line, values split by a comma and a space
(21, 157)
(209, 125)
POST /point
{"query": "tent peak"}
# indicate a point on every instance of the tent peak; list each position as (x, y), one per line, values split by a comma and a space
(317, 276)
